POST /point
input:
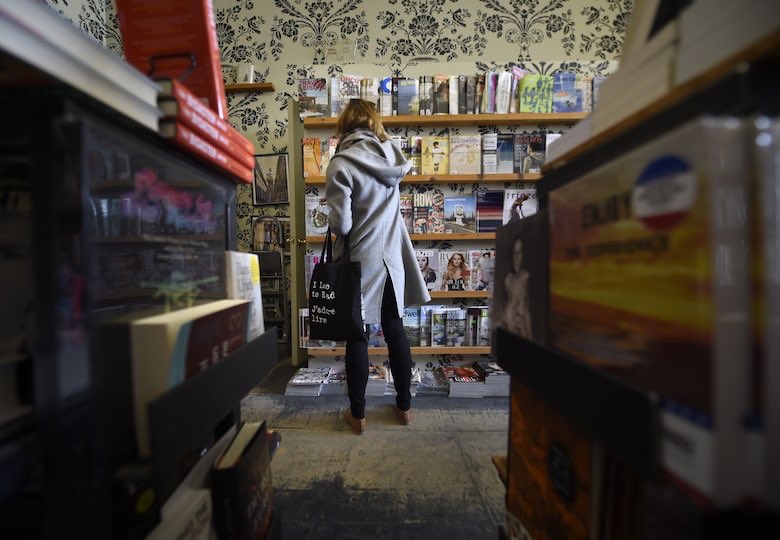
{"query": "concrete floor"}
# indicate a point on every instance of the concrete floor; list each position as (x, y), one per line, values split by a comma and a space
(431, 479)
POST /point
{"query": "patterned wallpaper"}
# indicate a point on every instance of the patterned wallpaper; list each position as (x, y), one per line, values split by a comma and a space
(288, 39)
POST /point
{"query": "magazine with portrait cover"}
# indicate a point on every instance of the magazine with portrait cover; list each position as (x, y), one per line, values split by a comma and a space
(455, 271)
(519, 204)
(428, 263)
(483, 268)
(317, 210)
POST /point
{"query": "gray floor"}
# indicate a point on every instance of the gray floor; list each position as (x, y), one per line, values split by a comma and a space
(431, 479)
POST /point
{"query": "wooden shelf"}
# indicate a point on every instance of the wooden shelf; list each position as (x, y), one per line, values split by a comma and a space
(461, 294)
(259, 87)
(382, 351)
(322, 122)
(449, 178)
(429, 236)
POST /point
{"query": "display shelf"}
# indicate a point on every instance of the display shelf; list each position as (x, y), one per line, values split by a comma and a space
(588, 397)
(259, 87)
(461, 294)
(134, 239)
(459, 120)
(449, 178)
(427, 236)
(382, 351)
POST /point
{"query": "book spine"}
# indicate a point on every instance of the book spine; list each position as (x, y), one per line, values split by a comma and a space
(211, 133)
(189, 141)
(215, 80)
(454, 99)
(394, 99)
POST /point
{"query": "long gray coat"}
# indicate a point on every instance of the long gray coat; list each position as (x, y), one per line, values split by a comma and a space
(361, 187)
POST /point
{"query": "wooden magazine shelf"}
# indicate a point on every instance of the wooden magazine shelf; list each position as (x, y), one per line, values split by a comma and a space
(449, 178)
(428, 236)
(259, 87)
(323, 122)
(382, 351)
(461, 294)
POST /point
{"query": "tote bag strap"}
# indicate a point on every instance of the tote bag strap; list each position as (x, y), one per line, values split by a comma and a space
(327, 248)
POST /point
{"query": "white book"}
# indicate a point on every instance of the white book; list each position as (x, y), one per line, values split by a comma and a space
(503, 91)
(454, 94)
(242, 274)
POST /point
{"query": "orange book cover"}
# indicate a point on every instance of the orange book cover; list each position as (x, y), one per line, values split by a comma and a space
(169, 38)
(312, 157)
(171, 88)
(175, 110)
(189, 141)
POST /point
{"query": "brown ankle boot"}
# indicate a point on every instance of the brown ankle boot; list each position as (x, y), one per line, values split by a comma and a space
(405, 417)
(357, 425)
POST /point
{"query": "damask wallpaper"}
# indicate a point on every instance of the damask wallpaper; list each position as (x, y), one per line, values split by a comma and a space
(289, 39)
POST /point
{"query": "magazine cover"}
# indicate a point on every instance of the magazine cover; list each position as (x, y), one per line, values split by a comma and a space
(428, 262)
(439, 327)
(455, 327)
(483, 269)
(455, 271)
(519, 204)
(490, 209)
(435, 155)
(317, 210)
(313, 97)
(411, 322)
(429, 212)
(460, 214)
(407, 211)
(505, 153)
(465, 154)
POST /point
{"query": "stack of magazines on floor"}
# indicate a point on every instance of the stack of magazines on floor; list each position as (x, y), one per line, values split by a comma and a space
(433, 382)
(465, 381)
(336, 385)
(496, 379)
(307, 381)
(390, 386)
(377, 380)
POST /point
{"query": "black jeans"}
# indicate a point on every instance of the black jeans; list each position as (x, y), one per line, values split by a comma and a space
(398, 351)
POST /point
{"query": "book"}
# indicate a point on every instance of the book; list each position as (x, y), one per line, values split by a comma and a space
(168, 348)
(490, 209)
(317, 211)
(441, 94)
(369, 90)
(536, 93)
(433, 382)
(453, 94)
(307, 381)
(188, 141)
(311, 148)
(335, 96)
(429, 212)
(656, 262)
(406, 100)
(242, 486)
(386, 96)
(483, 268)
(349, 88)
(313, 97)
(519, 203)
(529, 152)
(565, 95)
(471, 89)
(584, 88)
(462, 94)
(460, 214)
(172, 90)
(503, 92)
(435, 155)
(175, 38)
(489, 155)
(464, 381)
(455, 327)
(426, 317)
(517, 74)
(178, 111)
(426, 95)
(504, 153)
(415, 154)
(454, 270)
(465, 154)
(439, 326)
(242, 275)
(411, 322)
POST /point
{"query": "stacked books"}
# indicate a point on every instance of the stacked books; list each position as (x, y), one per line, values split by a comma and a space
(497, 381)
(465, 381)
(307, 381)
(197, 129)
(390, 386)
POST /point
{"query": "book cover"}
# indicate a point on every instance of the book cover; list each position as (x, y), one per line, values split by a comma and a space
(504, 153)
(441, 94)
(188, 141)
(462, 98)
(429, 212)
(426, 95)
(386, 96)
(565, 95)
(551, 474)
(426, 314)
(311, 148)
(455, 327)
(455, 271)
(407, 211)
(454, 98)
(439, 327)
(182, 35)
(415, 154)
(406, 96)
(313, 97)
(465, 154)
(411, 322)
(173, 90)
(519, 204)
(480, 95)
(349, 88)
(503, 91)
(460, 214)
(489, 155)
(471, 91)
(428, 262)
(645, 231)
(584, 88)
(168, 348)
(536, 93)
(435, 155)
(335, 96)
(178, 111)
(490, 209)
(369, 90)
(514, 97)
(529, 152)
(317, 211)
(242, 275)
(550, 138)
(242, 486)
(483, 269)
(484, 327)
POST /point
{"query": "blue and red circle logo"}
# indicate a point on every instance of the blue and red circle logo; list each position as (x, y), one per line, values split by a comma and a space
(664, 193)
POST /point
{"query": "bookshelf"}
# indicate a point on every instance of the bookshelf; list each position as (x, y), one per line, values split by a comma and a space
(312, 126)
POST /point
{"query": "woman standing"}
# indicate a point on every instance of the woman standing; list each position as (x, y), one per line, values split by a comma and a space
(361, 187)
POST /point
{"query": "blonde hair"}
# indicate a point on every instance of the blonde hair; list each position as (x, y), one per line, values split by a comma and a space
(360, 114)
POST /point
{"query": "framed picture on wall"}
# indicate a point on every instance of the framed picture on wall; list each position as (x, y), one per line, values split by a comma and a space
(270, 185)
(270, 233)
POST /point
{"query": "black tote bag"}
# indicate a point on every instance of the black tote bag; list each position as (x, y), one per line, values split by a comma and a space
(335, 301)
